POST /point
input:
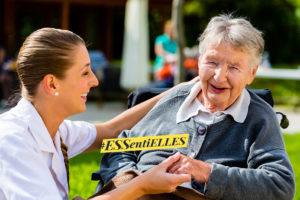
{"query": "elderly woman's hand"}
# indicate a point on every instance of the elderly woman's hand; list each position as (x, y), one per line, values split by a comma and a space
(158, 180)
(198, 169)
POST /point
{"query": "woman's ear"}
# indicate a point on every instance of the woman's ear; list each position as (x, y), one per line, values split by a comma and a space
(252, 75)
(50, 84)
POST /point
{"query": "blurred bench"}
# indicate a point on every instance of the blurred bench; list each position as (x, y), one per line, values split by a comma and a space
(109, 85)
(109, 88)
(289, 74)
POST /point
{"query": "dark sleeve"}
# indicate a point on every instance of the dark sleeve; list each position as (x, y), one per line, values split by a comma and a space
(115, 163)
(269, 174)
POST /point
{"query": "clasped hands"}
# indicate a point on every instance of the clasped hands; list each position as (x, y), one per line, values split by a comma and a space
(173, 171)
(198, 169)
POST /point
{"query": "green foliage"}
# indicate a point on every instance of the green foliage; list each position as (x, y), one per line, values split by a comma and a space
(276, 18)
(285, 92)
(193, 7)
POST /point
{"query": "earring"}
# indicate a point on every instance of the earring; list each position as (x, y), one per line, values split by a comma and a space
(56, 94)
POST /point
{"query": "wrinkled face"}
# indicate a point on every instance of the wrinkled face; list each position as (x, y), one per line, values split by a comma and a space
(79, 78)
(224, 72)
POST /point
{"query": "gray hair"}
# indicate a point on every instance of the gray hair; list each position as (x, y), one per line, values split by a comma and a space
(235, 31)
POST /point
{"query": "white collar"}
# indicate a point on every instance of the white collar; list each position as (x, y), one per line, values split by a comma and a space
(35, 125)
(239, 109)
(189, 109)
(192, 107)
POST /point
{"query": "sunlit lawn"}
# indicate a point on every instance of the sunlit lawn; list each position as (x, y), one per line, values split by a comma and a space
(293, 150)
(82, 166)
(81, 169)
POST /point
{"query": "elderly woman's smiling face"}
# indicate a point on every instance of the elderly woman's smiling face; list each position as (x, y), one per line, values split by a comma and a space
(224, 72)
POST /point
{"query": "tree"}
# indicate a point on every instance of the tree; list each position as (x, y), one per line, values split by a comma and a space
(276, 18)
(177, 19)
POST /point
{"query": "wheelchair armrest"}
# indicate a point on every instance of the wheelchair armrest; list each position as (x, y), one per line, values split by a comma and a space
(265, 94)
(142, 94)
(97, 177)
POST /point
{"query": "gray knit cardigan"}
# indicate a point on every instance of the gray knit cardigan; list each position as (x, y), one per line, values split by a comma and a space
(249, 159)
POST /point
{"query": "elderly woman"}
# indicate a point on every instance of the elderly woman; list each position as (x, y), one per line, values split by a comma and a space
(236, 149)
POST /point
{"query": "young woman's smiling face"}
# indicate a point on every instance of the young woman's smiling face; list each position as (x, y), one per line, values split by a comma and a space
(77, 82)
(224, 72)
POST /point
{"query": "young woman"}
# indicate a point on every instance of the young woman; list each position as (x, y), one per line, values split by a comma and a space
(54, 70)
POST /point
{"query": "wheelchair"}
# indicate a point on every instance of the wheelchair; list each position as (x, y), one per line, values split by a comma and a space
(141, 94)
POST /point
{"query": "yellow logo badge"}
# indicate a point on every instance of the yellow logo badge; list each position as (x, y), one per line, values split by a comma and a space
(144, 143)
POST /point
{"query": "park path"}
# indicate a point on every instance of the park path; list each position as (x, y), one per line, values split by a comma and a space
(107, 110)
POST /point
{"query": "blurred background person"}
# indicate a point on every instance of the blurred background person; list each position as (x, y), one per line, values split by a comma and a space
(2, 81)
(8, 77)
(165, 62)
(191, 62)
(2, 58)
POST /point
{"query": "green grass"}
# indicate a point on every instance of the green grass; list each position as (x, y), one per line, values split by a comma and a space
(82, 166)
(293, 150)
(81, 169)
